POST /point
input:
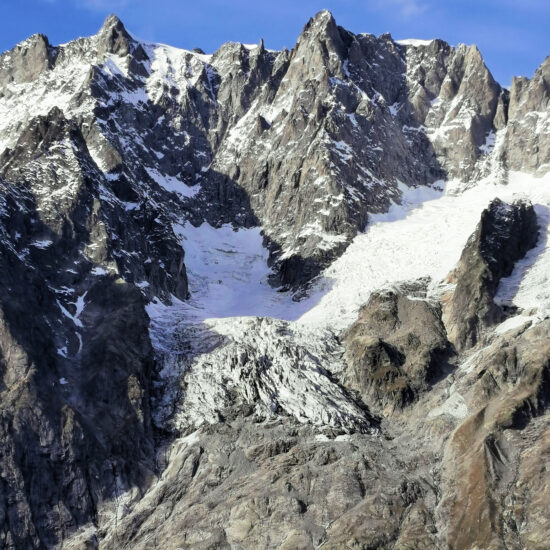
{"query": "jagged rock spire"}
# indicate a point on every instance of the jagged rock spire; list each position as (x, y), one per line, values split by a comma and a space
(322, 23)
(28, 59)
(113, 37)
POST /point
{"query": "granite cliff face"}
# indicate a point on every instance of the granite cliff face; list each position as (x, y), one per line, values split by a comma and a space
(262, 299)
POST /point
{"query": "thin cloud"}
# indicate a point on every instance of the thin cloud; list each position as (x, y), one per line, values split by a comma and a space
(93, 5)
(103, 5)
(404, 8)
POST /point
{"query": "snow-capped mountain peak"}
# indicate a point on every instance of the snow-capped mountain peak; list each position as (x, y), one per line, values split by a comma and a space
(280, 299)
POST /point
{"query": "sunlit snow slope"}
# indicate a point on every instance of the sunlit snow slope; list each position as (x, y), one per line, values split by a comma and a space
(422, 237)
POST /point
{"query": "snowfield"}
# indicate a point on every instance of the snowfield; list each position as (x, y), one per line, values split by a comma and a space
(421, 237)
(424, 237)
(235, 321)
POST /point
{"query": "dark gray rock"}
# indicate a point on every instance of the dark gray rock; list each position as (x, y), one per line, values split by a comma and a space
(503, 236)
(396, 349)
(114, 38)
(526, 147)
(232, 487)
(76, 355)
(27, 61)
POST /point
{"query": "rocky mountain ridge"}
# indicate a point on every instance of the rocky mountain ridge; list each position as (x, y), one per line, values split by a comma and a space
(365, 93)
(178, 231)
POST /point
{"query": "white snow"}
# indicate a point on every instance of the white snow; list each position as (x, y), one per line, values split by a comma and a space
(414, 42)
(269, 364)
(471, 362)
(228, 276)
(191, 439)
(42, 244)
(513, 323)
(67, 314)
(528, 287)
(489, 144)
(177, 68)
(228, 273)
(63, 381)
(453, 406)
(173, 51)
(173, 184)
(421, 237)
(424, 237)
(79, 305)
(394, 108)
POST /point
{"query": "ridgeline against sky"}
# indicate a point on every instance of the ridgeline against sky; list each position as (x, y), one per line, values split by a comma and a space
(511, 35)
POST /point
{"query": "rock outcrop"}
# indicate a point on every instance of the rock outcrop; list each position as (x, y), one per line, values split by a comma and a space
(504, 235)
(397, 347)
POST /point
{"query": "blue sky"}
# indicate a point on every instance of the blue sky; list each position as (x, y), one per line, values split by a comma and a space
(512, 34)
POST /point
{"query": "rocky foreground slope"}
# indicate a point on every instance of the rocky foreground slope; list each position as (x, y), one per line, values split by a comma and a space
(262, 299)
